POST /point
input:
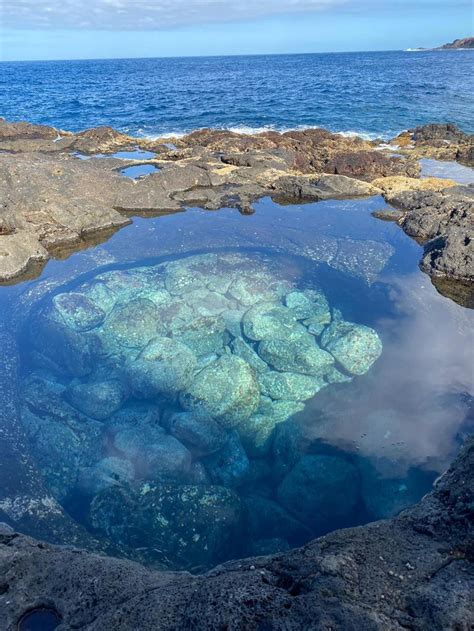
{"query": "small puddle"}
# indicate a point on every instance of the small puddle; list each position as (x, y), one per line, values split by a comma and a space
(449, 170)
(44, 619)
(136, 154)
(140, 170)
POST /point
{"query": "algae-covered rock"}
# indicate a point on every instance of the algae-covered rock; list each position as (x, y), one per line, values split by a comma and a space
(164, 366)
(355, 346)
(197, 430)
(62, 440)
(133, 324)
(320, 490)
(98, 399)
(204, 335)
(187, 527)
(61, 349)
(78, 311)
(257, 431)
(230, 466)
(154, 454)
(299, 304)
(227, 390)
(299, 354)
(290, 386)
(269, 320)
(110, 471)
(244, 350)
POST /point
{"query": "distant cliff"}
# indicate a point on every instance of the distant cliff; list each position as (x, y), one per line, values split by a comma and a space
(466, 42)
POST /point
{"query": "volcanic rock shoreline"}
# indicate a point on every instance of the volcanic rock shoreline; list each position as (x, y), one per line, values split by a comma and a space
(54, 203)
(414, 572)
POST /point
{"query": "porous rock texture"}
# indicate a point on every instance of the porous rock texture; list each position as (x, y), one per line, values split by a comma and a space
(443, 222)
(414, 572)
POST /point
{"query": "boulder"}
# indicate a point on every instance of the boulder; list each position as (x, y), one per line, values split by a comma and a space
(299, 354)
(355, 346)
(267, 519)
(79, 312)
(229, 466)
(62, 440)
(133, 324)
(101, 475)
(155, 455)
(189, 527)
(290, 386)
(256, 432)
(164, 366)
(321, 491)
(98, 400)
(197, 430)
(58, 347)
(269, 320)
(227, 390)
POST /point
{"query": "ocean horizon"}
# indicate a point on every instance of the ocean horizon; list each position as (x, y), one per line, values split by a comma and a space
(373, 94)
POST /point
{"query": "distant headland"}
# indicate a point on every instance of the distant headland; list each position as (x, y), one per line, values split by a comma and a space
(464, 43)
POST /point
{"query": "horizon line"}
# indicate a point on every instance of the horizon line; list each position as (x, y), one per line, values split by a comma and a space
(292, 54)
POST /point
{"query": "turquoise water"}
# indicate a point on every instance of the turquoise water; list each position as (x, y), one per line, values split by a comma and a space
(377, 93)
(207, 385)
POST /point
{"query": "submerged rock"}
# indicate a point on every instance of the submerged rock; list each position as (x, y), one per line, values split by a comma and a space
(107, 472)
(98, 399)
(188, 374)
(230, 466)
(355, 346)
(197, 430)
(227, 390)
(134, 324)
(290, 386)
(300, 354)
(320, 491)
(269, 320)
(190, 527)
(164, 366)
(78, 312)
(155, 455)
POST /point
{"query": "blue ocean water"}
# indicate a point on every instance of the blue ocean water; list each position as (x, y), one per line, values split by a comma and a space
(374, 93)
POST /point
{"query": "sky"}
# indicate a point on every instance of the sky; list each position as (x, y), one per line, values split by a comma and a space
(85, 29)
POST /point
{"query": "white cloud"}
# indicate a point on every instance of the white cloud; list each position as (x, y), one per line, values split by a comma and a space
(144, 14)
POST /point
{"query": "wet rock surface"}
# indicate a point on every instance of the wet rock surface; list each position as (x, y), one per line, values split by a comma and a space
(414, 571)
(159, 396)
(61, 203)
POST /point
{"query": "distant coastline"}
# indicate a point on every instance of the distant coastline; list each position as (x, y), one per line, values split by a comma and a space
(466, 43)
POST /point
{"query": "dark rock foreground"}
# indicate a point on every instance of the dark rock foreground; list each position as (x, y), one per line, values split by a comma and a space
(414, 571)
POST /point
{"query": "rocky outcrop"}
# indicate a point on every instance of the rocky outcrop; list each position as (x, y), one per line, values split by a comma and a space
(443, 222)
(439, 141)
(414, 571)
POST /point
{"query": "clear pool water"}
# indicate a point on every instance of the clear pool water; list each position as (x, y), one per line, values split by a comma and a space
(207, 385)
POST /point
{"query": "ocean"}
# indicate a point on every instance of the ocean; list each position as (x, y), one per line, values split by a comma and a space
(374, 94)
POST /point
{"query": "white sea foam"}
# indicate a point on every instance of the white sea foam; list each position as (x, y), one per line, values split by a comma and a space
(250, 131)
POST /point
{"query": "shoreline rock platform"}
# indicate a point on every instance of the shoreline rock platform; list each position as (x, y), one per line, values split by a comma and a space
(63, 191)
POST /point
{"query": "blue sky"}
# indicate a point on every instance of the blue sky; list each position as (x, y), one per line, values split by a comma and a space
(83, 29)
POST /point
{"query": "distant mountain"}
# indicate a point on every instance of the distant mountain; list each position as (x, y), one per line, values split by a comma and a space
(466, 42)
(458, 44)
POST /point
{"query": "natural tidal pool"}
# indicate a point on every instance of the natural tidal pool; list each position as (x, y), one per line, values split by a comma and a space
(207, 385)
